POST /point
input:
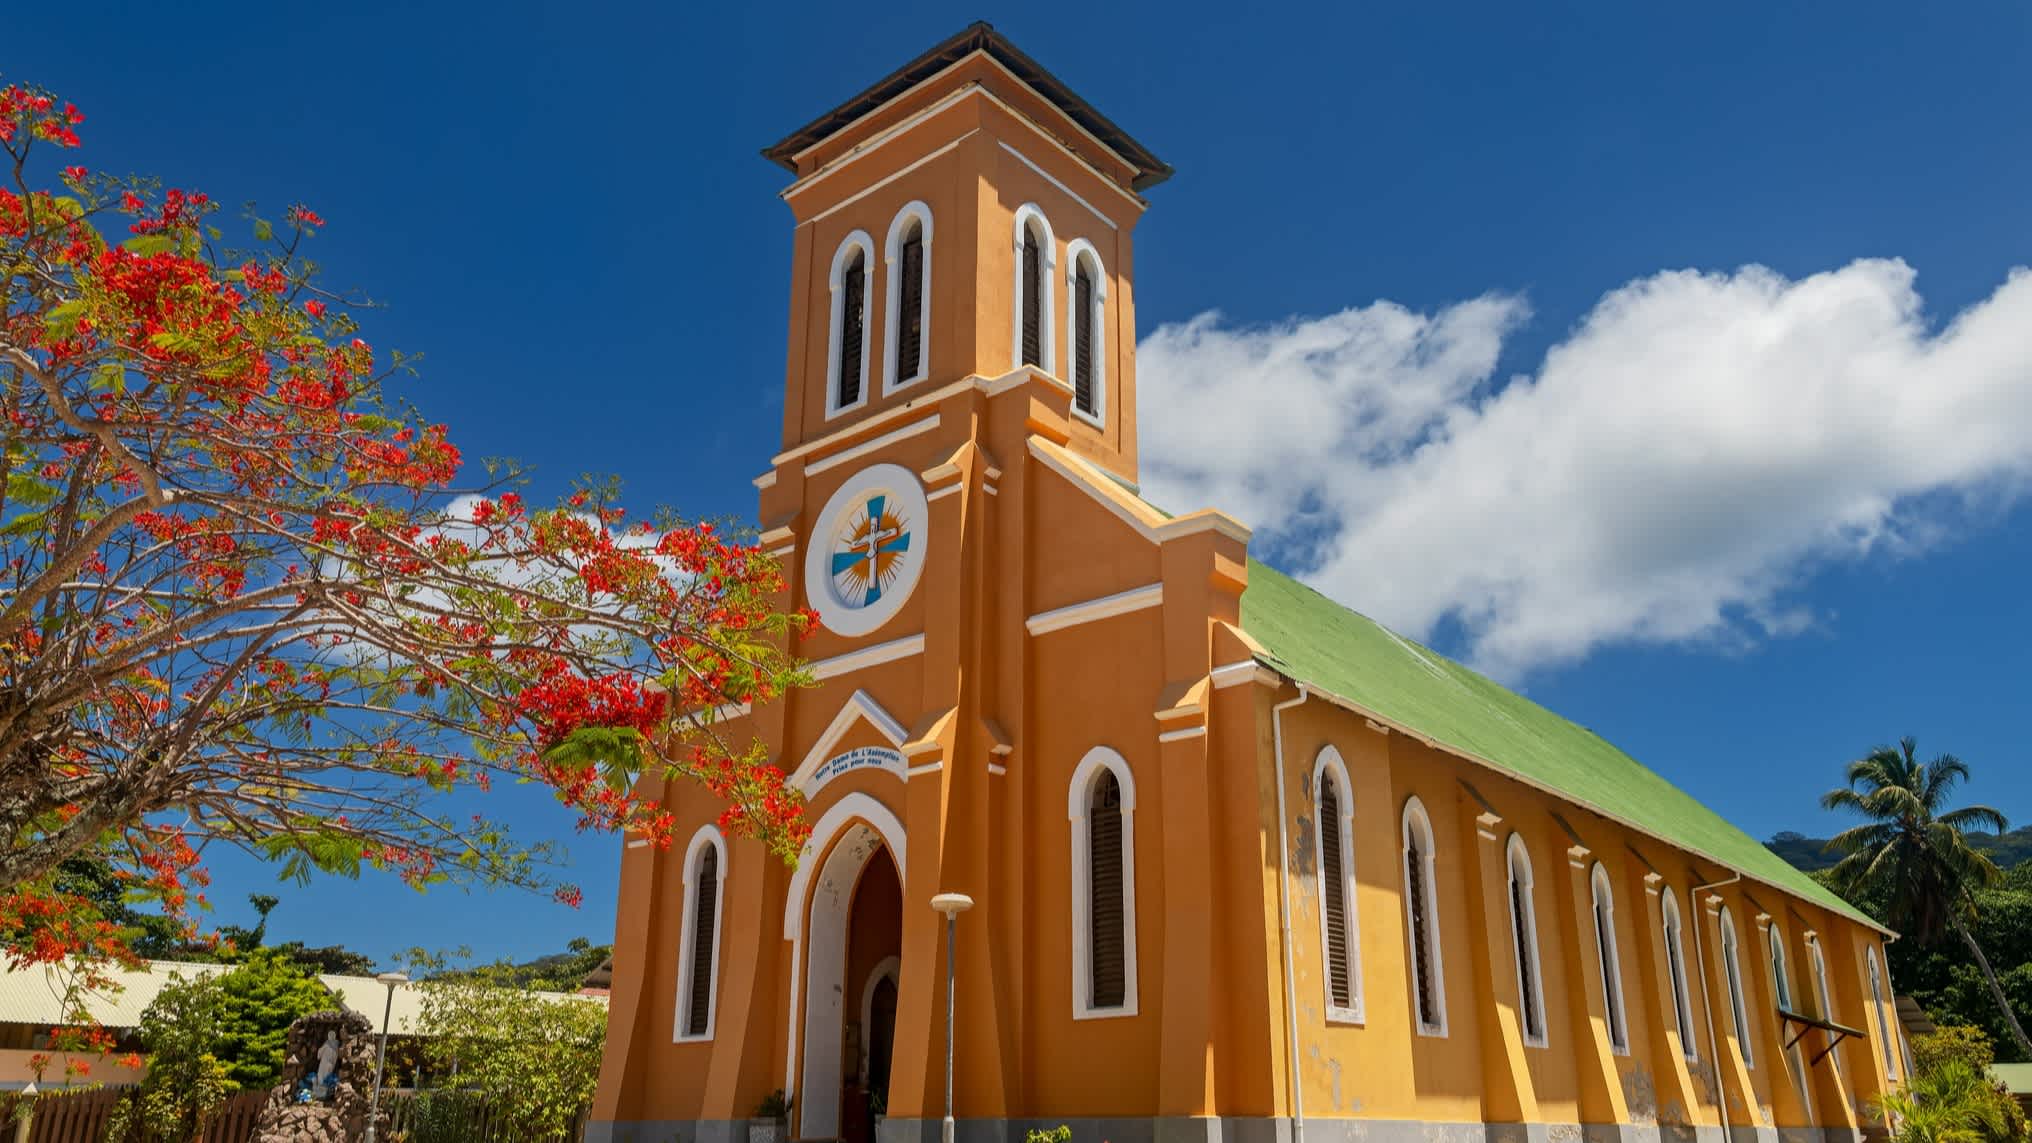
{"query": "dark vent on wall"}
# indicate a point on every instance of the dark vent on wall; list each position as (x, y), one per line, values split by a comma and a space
(1333, 885)
(910, 322)
(1033, 301)
(1105, 928)
(705, 900)
(853, 320)
(1083, 340)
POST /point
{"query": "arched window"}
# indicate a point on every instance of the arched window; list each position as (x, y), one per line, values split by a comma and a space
(1036, 265)
(1884, 1023)
(1816, 964)
(705, 865)
(1781, 994)
(1675, 968)
(907, 268)
(1086, 306)
(1732, 969)
(1524, 930)
(1339, 934)
(1101, 806)
(847, 355)
(1611, 961)
(1421, 914)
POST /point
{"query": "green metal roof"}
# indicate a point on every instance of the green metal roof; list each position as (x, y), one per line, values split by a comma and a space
(1316, 641)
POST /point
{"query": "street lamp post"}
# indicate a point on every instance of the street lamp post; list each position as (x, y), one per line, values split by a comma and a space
(391, 979)
(952, 905)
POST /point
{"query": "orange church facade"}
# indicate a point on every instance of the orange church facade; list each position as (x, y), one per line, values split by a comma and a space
(1244, 865)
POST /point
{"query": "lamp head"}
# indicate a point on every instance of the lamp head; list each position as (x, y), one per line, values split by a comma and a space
(391, 979)
(952, 904)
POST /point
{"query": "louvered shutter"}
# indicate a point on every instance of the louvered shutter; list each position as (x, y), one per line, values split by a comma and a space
(1033, 301)
(1527, 967)
(1083, 339)
(910, 322)
(1333, 878)
(1105, 922)
(704, 902)
(853, 313)
(1421, 935)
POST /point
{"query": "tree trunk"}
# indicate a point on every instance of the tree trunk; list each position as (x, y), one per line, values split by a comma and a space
(1996, 989)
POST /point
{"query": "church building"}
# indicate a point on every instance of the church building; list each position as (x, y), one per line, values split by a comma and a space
(1244, 866)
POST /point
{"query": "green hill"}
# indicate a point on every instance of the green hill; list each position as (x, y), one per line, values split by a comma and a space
(1810, 853)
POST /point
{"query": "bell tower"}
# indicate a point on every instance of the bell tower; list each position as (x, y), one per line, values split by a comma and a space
(966, 218)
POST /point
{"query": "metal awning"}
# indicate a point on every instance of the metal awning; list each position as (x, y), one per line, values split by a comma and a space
(1835, 1033)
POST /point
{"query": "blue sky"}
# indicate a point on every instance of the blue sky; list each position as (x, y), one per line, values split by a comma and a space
(563, 209)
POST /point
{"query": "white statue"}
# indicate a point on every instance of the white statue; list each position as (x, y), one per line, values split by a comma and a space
(327, 1061)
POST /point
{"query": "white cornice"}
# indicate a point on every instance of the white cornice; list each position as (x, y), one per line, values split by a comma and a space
(868, 657)
(912, 429)
(1120, 603)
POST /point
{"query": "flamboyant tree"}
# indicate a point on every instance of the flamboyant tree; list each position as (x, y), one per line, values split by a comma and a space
(243, 600)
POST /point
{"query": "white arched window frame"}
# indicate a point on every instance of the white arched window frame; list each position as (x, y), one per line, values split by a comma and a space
(1781, 998)
(1077, 253)
(1079, 797)
(1610, 958)
(1524, 929)
(707, 839)
(1675, 964)
(918, 214)
(1030, 220)
(1421, 921)
(835, 281)
(1330, 769)
(1886, 1018)
(1732, 971)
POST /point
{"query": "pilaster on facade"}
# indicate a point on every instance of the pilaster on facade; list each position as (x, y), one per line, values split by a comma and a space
(1507, 1092)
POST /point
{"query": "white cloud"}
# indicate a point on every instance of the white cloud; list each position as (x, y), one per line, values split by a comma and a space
(1672, 472)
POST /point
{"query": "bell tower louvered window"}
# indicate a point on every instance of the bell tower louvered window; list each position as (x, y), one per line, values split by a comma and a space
(847, 352)
(853, 330)
(1524, 929)
(1036, 261)
(907, 298)
(1083, 394)
(1101, 808)
(1033, 301)
(1422, 922)
(909, 321)
(698, 976)
(1104, 825)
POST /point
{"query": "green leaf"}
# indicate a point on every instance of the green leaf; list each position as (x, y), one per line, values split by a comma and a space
(147, 244)
(110, 376)
(263, 230)
(23, 524)
(28, 490)
(66, 315)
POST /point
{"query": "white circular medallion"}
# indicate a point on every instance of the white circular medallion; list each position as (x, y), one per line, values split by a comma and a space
(865, 553)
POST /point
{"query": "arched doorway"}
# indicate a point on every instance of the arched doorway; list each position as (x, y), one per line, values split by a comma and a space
(854, 935)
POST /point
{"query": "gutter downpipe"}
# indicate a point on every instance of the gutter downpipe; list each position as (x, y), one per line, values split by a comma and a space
(1714, 1043)
(1284, 913)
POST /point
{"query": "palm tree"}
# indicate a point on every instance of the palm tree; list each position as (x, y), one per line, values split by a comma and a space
(1911, 854)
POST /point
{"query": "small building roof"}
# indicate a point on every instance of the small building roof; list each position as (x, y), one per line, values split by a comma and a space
(976, 37)
(2016, 1078)
(34, 995)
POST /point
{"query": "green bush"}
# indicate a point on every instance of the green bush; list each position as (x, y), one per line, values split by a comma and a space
(1951, 1096)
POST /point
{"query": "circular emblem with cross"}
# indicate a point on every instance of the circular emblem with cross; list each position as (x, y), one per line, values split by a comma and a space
(865, 554)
